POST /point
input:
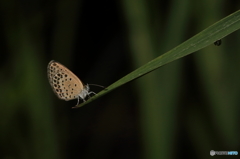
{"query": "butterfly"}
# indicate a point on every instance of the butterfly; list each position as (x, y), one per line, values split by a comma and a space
(65, 84)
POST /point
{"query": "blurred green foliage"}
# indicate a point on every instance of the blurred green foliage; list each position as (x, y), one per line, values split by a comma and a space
(184, 109)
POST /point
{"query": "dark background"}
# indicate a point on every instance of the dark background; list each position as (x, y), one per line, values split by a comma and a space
(182, 110)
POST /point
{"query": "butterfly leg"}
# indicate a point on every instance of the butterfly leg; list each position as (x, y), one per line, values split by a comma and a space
(78, 101)
(91, 93)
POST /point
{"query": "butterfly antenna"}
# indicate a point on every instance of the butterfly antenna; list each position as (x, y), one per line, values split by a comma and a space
(96, 85)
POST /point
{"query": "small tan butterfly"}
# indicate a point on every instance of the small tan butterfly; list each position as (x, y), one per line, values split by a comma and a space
(65, 84)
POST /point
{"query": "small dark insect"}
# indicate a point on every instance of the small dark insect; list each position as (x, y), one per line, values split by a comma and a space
(218, 42)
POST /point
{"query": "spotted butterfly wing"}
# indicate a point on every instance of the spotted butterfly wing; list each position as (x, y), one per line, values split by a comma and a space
(65, 84)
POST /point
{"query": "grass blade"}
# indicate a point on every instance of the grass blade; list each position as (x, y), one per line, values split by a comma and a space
(206, 37)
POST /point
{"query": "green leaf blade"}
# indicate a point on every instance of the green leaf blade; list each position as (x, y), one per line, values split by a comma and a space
(206, 37)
